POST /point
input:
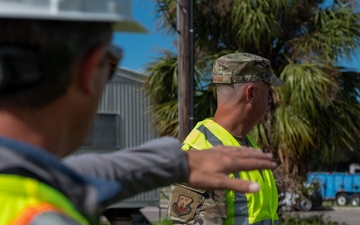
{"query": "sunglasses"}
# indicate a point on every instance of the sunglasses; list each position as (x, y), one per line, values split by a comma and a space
(114, 55)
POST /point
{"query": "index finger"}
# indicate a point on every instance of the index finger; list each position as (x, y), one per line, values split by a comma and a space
(237, 159)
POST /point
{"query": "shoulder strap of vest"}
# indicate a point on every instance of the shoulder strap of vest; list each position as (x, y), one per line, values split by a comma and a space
(28, 214)
(208, 133)
(210, 137)
(48, 198)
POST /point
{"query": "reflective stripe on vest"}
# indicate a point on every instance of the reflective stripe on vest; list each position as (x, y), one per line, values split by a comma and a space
(241, 208)
(29, 213)
(23, 198)
(210, 137)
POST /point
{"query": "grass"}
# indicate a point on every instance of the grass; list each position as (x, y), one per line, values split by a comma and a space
(311, 220)
(329, 203)
(287, 220)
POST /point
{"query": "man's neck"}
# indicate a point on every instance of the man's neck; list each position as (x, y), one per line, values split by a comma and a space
(32, 128)
(235, 126)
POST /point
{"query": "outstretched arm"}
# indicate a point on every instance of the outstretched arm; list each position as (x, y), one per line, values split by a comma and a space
(161, 162)
(157, 163)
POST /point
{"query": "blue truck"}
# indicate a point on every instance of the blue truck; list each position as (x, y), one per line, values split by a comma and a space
(343, 187)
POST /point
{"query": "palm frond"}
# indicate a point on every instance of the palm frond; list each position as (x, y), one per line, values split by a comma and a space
(315, 113)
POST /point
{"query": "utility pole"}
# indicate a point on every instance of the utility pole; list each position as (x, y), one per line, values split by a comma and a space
(185, 67)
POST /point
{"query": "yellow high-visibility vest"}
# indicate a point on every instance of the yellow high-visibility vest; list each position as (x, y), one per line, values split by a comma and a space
(242, 209)
(22, 199)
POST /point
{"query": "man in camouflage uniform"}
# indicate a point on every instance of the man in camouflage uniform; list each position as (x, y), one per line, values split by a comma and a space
(243, 83)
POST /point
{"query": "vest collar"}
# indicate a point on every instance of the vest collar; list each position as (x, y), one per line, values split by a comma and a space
(87, 193)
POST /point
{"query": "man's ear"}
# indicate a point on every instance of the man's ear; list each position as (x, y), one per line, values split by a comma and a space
(250, 93)
(88, 69)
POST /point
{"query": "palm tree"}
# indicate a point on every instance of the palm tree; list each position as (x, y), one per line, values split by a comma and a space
(316, 113)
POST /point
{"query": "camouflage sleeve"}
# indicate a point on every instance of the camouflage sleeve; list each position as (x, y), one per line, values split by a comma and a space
(196, 207)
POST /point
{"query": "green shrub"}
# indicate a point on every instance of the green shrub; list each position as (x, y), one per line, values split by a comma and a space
(165, 221)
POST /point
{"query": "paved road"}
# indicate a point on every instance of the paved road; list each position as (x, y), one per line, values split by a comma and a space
(348, 215)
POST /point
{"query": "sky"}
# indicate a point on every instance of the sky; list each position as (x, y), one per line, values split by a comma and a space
(139, 49)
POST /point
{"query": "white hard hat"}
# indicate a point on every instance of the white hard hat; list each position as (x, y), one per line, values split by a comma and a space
(116, 11)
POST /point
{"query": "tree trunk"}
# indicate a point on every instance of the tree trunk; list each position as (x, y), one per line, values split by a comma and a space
(291, 163)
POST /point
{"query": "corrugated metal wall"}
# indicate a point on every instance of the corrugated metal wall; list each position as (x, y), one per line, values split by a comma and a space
(124, 97)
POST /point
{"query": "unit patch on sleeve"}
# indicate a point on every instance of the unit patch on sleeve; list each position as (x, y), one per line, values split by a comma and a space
(184, 203)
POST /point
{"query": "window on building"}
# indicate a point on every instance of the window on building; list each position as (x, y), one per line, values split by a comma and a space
(104, 132)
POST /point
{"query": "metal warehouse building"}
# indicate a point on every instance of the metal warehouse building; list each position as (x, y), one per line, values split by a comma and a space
(122, 121)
